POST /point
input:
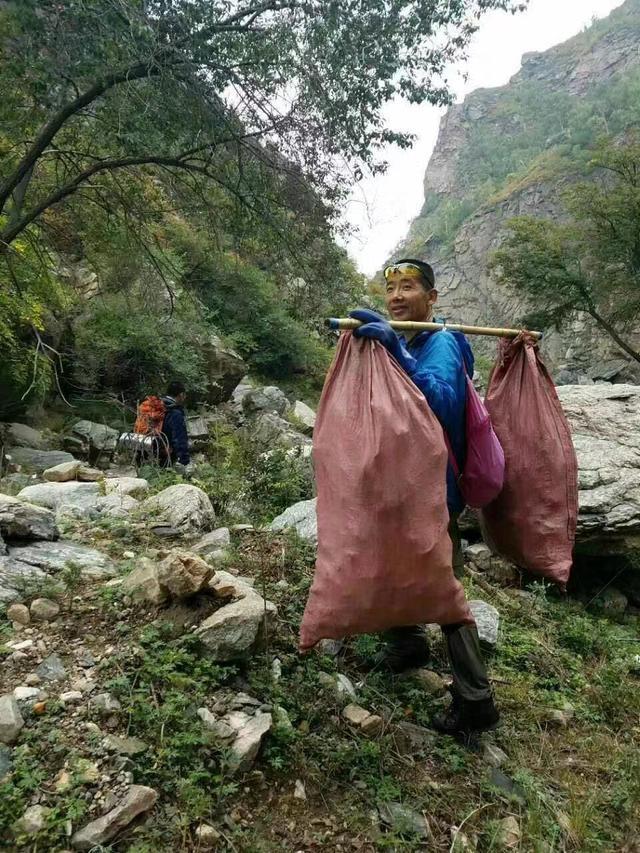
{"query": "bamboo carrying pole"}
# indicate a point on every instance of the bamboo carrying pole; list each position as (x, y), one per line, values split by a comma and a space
(343, 323)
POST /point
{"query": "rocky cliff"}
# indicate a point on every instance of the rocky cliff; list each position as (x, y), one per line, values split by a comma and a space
(510, 151)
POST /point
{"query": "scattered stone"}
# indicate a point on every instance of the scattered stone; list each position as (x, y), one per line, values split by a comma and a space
(219, 729)
(143, 583)
(355, 715)
(139, 799)
(22, 520)
(105, 704)
(207, 837)
(300, 517)
(433, 683)
(509, 834)
(183, 574)
(488, 622)
(18, 613)
(11, 721)
(44, 610)
(25, 694)
(305, 415)
(478, 555)
(20, 645)
(33, 679)
(372, 726)
(234, 630)
(186, 508)
(33, 820)
(62, 473)
(505, 784)
(51, 669)
(332, 648)
(250, 733)
(403, 820)
(134, 487)
(299, 791)
(212, 542)
(71, 697)
(124, 745)
(493, 755)
(411, 739)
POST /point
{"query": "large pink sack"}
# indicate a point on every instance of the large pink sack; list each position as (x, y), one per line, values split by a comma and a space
(533, 520)
(384, 554)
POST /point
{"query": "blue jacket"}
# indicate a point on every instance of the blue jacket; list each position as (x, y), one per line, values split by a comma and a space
(440, 375)
(175, 431)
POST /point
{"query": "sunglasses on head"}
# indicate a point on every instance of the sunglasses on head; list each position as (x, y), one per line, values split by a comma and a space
(408, 269)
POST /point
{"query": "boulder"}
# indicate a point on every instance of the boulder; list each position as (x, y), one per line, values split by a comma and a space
(62, 473)
(233, 631)
(143, 583)
(97, 439)
(605, 423)
(267, 399)
(304, 415)
(488, 622)
(44, 610)
(89, 475)
(18, 580)
(183, 574)
(185, 508)
(224, 369)
(30, 459)
(18, 613)
(100, 832)
(21, 435)
(134, 487)
(300, 517)
(11, 484)
(79, 499)
(22, 520)
(270, 429)
(53, 557)
(116, 506)
(213, 542)
(11, 721)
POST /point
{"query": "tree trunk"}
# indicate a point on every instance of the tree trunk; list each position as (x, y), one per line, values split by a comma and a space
(613, 334)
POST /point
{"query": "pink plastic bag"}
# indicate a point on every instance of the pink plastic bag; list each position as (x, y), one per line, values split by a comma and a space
(483, 476)
(384, 553)
(533, 521)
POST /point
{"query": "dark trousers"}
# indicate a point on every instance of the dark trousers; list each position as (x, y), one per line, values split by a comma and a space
(470, 679)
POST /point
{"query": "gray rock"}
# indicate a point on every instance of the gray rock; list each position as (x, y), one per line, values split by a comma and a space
(224, 370)
(52, 557)
(488, 622)
(493, 755)
(22, 520)
(305, 415)
(62, 473)
(300, 517)
(271, 430)
(506, 785)
(37, 461)
(44, 610)
(124, 745)
(509, 833)
(234, 630)
(116, 506)
(79, 499)
(134, 487)
(212, 542)
(413, 740)
(51, 669)
(12, 484)
(250, 732)
(607, 370)
(21, 435)
(403, 820)
(207, 837)
(267, 399)
(185, 508)
(139, 799)
(97, 439)
(11, 721)
(105, 704)
(17, 579)
(219, 729)
(18, 613)
(143, 583)
(33, 820)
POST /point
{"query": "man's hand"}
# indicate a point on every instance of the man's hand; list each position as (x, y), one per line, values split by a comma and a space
(376, 328)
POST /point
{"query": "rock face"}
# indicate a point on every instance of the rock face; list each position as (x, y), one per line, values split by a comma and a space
(186, 508)
(605, 423)
(300, 517)
(225, 369)
(139, 799)
(463, 220)
(20, 520)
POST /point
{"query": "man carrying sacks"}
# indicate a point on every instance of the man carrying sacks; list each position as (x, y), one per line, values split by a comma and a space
(438, 364)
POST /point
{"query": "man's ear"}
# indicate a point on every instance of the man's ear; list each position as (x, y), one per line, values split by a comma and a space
(433, 296)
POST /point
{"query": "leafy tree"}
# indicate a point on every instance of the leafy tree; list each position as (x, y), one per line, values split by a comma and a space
(591, 263)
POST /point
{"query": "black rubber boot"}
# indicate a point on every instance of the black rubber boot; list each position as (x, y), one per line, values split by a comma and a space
(406, 648)
(464, 717)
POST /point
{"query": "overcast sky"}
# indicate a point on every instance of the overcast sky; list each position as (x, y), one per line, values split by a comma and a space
(382, 207)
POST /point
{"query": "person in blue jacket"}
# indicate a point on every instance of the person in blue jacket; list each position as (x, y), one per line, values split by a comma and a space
(435, 362)
(174, 428)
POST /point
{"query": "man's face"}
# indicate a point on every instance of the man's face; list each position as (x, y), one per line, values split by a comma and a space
(181, 398)
(407, 299)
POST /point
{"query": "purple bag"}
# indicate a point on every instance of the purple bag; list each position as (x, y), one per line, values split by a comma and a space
(483, 476)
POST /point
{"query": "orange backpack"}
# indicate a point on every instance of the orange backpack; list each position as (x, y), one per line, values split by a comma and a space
(150, 420)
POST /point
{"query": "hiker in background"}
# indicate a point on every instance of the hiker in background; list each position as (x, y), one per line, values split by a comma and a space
(434, 362)
(174, 427)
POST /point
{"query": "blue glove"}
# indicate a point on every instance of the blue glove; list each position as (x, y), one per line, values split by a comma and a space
(376, 328)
